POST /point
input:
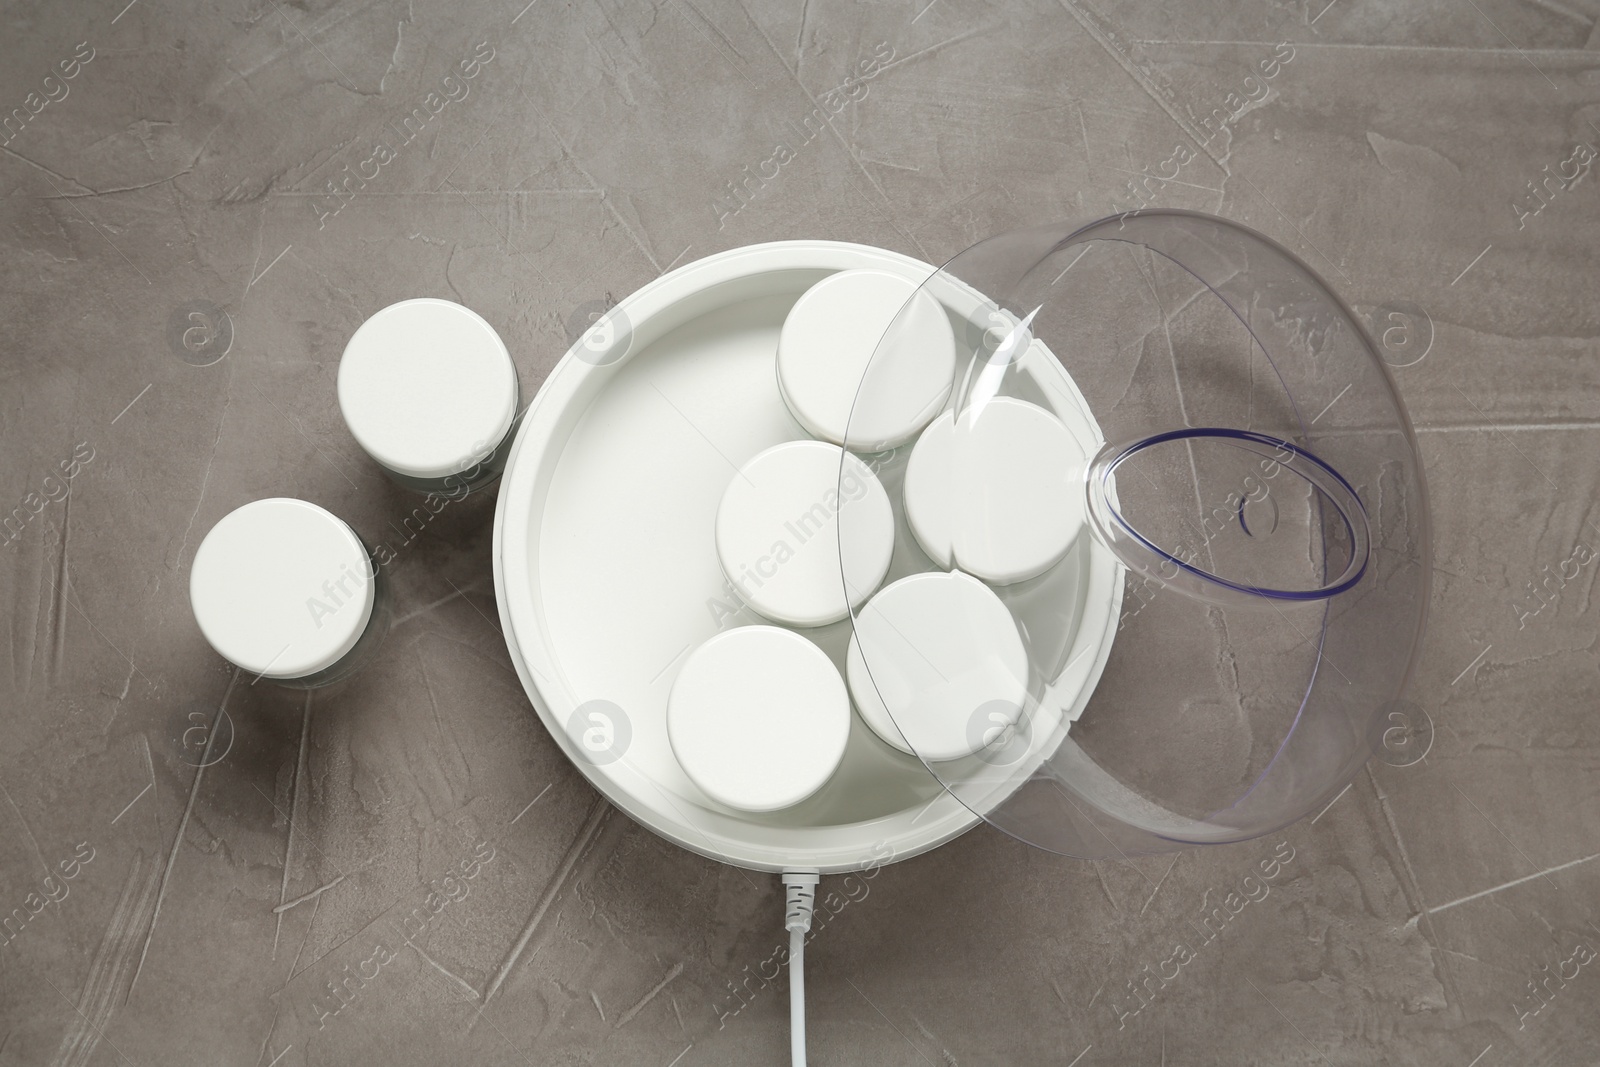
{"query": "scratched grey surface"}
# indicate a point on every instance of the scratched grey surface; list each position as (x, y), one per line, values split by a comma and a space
(1442, 913)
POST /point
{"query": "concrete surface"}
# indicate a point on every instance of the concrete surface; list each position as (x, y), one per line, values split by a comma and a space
(186, 162)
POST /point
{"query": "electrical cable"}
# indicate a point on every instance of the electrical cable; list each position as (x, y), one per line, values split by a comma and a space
(801, 894)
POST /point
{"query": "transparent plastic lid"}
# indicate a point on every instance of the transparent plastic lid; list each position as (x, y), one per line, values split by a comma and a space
(1177, 460)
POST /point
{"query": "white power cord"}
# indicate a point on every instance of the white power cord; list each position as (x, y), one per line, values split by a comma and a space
(802, 892)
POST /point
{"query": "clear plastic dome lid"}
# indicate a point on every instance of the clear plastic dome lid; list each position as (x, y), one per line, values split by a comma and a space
(1174, 458)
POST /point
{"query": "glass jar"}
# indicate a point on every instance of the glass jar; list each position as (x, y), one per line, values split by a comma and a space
(286, 590)
(430, 392)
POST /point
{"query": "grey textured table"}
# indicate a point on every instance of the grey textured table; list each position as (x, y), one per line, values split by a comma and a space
(182, 183)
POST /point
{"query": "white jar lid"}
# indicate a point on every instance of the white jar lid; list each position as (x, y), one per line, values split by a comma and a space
(427, 388)
(778, 527)
(948, 666)
(830, 378)
(758, 718)
(999, 495)
(282, 588)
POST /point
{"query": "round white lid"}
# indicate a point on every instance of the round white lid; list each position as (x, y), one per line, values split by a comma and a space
(777, 532)
(999, 495)
(281, 587)
(427, 388)
(979, 685)
(758, 718)
(826, 359)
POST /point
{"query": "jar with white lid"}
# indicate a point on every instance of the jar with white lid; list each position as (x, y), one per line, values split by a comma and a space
(285, 590)
(430, 392)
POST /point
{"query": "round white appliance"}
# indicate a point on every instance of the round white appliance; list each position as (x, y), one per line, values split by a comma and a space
(606, 567)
